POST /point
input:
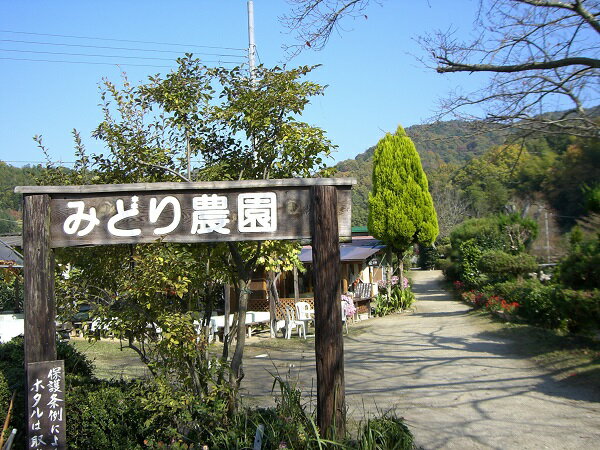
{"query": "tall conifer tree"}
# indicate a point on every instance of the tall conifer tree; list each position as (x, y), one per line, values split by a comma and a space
(401, 211)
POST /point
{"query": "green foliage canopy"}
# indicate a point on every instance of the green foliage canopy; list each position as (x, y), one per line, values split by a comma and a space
(401, 211)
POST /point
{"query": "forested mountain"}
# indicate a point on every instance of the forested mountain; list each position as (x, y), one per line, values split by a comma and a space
(453, 142)
(474, 174)
(11, 203)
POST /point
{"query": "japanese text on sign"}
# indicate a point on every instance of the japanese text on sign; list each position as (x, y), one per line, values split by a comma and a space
(46, 405)
(210, 213)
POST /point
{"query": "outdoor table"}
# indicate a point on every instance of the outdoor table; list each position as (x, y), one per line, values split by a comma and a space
(253, 318)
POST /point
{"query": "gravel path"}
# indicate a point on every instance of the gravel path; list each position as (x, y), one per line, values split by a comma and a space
(455, 382)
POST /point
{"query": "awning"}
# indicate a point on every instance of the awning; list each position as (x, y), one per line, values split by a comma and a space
(351, 252)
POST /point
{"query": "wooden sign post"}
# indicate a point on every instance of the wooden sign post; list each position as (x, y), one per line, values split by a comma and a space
(317, 209)
(329, 343)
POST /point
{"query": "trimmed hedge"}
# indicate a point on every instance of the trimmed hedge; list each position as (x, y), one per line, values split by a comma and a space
(537, 301)
(501, 266)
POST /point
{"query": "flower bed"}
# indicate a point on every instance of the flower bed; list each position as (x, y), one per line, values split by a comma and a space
(492, 303)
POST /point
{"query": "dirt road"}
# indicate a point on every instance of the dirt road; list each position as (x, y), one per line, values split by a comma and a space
(457, 384)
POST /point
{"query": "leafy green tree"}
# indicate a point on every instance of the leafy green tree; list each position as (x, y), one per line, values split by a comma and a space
(569, 180)
(401, 211)
(195, 124)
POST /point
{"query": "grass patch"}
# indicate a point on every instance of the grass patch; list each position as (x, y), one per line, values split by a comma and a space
(110, 360)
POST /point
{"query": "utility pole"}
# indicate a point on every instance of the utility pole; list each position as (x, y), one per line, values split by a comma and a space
(251, 61)
(547, 238)
(251, 44)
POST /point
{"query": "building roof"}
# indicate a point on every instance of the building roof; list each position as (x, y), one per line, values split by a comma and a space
(360, 249)
(13, 240)
(7, 253)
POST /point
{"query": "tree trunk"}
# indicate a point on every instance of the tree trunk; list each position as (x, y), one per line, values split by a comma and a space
(296, 287)
(273, 297)
(227, 301)
(237, 372)
(389, 274)
(401, 270)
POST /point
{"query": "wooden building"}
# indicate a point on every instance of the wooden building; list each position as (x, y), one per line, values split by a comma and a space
(361, 262)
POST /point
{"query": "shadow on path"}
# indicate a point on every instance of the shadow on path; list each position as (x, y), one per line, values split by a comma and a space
(454, 376)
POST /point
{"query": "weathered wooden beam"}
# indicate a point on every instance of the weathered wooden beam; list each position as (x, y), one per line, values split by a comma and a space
(133, 218)
(329, 344)
(39, 306)
(38, 269)
(205, 185)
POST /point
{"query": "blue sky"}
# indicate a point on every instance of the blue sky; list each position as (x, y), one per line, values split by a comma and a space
(374, 80)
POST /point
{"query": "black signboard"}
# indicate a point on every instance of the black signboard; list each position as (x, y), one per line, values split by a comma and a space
(46, 405)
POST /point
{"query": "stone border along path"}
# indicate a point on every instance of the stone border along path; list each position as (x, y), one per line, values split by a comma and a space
(457, 385)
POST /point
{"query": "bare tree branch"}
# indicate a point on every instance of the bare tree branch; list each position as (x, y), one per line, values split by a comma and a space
(457, 67)
(313, 21)
(543, 55)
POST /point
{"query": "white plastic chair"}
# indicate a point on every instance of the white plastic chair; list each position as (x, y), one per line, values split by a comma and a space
(291, 323)
(304, 313)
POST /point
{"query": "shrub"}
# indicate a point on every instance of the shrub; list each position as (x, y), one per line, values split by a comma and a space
(476, 237)
(104, 415)
(385, 433)
(518, 231)
(537, 301)
(469, 261)
(399, 300)
(485, 231)
(428, 257)
(581, 268)
(581, 309)
(5, 395)
(449, 268)
(502, 266)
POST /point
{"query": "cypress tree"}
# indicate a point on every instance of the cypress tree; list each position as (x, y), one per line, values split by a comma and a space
(401, 211)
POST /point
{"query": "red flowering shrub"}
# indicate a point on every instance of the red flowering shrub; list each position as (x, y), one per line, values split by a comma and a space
(491, 303)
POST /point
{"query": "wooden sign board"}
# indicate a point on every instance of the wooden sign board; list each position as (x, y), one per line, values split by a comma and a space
(188, 212)
(46, 405)
(313, 209)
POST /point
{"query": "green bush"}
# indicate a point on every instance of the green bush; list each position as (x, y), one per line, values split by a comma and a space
(428, 257)
(470, 252)
(581, 309)
(519, 232)
(450, 269)
(580, 269)
(5, 395)
(104, 415)
(476, 237)
(387, 432)
(501, 266)
(537, 302)
(485, 231)
(399, 300)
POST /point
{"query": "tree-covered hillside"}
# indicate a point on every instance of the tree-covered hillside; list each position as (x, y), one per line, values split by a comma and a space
(11, 203)
(475, 174)
(454, 142)
(451, 142)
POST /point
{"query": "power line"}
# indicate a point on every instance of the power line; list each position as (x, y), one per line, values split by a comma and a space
(116, 48)
(104, 63)
(122, 40)
(83, 62)
(107, 56)
(35, 162)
